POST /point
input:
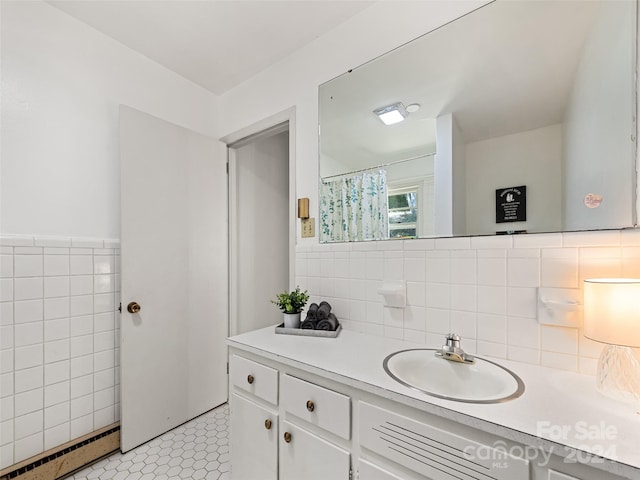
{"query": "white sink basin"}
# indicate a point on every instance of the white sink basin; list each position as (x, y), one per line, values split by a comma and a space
(482, 382)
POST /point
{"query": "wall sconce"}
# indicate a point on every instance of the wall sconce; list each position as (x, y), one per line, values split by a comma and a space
(612, 316)
(303, 208)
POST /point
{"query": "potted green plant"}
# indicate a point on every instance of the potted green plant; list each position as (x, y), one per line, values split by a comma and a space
(291, 304)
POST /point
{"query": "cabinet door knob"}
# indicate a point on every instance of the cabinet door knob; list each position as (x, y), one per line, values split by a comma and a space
(267, 424)
(287, 437)
(310, 406)
(250, 379)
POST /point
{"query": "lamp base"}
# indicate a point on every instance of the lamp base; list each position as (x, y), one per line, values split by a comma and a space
(618, 374)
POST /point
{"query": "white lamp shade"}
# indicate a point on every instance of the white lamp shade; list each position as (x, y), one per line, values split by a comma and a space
(612, 311)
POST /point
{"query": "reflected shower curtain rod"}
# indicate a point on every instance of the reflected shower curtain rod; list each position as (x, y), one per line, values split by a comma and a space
(378, 166)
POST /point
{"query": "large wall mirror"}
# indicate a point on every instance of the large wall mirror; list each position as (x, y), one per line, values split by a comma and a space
(516, 118)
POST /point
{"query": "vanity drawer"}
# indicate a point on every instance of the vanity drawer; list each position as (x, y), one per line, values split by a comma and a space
(255, 378)
(317, 405)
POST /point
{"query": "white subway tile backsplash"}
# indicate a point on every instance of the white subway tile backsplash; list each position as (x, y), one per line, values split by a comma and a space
(492, 328)
(29, 379)
(28, 446)
(28, 334)
(81, 406)
(84, 365)
(496, 350)
(559, 340)
(28, 311)
(415, 319)
(6, 289)
(6, 313)
(56, 372)
(56, 265)
(28, 402)
(6, 432)
(81, 386)
(6, 361)
(56, 329)
(28, 357)
(56, 393)
(56, 436)
(438, 295)
(56, 287)
(56, 351)
(416, 294)
(29, 424)
(463, 324)
(56, 308)
(81, 305)
(6, 337)
(79, 326)
(28, 288)
(463, 270)
(104, 302)
(560, 361)
(81, 264)
(464, 297)
(522, 302)
(492, 271)
(82, 345)
(53, 242)
(523, 332)
(27, 265)
(81, 285)
(375, 313)
(82, 426)
(104, 379)
(6, 384)
(492, 300)
(6, 266)
(106, 264)
(523, 272)
(438, 321)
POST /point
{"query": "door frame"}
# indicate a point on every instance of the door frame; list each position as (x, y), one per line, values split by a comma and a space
(272, 125)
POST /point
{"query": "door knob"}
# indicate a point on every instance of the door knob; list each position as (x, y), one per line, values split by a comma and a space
(134, 307)
(287, 437)
(267, 424)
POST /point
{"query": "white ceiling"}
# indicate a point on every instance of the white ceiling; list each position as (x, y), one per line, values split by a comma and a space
(217, 44)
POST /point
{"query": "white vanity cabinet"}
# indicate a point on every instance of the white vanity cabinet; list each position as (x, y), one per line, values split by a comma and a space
(328, 427)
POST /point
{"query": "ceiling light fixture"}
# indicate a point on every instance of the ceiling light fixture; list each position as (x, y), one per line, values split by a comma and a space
(412, 108)
(391, 113)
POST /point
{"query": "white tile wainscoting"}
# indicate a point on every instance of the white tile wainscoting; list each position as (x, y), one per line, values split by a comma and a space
(59, 341)
(483, 288)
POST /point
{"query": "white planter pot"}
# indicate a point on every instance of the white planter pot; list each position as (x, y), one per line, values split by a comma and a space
(292, 320)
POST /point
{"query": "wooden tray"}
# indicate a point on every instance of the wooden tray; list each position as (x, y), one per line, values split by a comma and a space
(306, 332)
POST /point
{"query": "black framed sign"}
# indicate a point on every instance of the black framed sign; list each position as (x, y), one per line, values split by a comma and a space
(511, 204)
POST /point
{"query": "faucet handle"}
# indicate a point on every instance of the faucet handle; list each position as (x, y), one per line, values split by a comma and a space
(453, 340)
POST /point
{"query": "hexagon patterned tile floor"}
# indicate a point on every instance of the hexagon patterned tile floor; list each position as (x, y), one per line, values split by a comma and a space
(198, 450)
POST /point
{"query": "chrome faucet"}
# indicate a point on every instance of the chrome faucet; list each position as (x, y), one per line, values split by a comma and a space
(452, 351)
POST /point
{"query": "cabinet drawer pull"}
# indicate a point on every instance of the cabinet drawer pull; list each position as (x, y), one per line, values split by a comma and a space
(250, 379)
(310, 406)
(267, 424)
(287, 437)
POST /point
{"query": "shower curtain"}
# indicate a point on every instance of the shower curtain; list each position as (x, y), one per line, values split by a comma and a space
(354, 208)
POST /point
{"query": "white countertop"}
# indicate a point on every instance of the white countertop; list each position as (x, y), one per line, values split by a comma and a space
(561, 412)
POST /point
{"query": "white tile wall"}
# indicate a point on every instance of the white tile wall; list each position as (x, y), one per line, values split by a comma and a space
(483, 288)
(58, 341)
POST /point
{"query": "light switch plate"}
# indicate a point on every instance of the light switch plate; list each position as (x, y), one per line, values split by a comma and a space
(308, 226)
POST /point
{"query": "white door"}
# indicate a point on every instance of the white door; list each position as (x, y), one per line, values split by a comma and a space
(174, 265)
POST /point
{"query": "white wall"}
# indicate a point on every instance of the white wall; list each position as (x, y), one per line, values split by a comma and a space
(595, 132)
(62, 82)
(531, 158)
